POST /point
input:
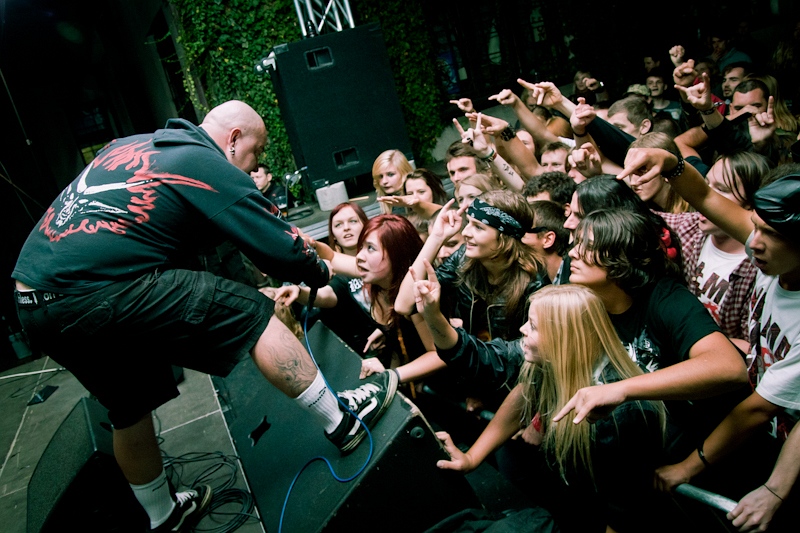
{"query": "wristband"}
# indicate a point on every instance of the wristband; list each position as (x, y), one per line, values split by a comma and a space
(773, 493)
(507, 134)
(489, 158)
(703, 456)
(674, 173)
(707, 111)
(584, 134)
(396, 373)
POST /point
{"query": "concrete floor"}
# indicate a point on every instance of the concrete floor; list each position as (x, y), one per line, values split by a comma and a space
(193, 422)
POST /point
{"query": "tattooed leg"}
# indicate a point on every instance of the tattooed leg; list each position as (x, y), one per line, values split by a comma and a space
(283, 360)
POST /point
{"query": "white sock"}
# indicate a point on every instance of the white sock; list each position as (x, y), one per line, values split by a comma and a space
(319, 400)
(156, 499)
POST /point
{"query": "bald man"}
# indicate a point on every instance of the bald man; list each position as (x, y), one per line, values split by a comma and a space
(105, 285)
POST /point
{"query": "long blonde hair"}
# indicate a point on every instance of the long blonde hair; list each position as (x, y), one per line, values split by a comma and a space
(575, 334)
(396, 159)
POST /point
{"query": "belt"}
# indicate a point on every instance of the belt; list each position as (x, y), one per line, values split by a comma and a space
(34, 298)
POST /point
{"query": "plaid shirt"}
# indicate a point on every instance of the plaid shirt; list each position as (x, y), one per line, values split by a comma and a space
(734, 310)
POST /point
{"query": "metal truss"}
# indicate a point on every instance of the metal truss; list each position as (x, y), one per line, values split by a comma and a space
(318, 16)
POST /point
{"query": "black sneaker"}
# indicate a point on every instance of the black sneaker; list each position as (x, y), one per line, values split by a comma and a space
(189, 506)
(368, 401)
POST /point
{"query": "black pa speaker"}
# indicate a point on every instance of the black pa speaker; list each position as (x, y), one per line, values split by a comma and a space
(338, 101)
(400, 489)
(77, 484)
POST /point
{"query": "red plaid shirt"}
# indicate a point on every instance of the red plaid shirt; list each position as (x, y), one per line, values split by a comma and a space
(734, 310)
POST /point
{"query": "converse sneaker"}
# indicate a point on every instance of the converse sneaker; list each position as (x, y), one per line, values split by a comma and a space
(368, 401)
(189, 506)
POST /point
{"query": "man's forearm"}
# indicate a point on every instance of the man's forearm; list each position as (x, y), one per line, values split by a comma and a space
(787, 468)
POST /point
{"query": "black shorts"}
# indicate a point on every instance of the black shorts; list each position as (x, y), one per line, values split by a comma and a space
(121, 341)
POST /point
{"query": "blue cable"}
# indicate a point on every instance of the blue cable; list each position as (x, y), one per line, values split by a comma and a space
(311, 298)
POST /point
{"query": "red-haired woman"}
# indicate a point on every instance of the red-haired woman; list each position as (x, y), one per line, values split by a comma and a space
(386, 249)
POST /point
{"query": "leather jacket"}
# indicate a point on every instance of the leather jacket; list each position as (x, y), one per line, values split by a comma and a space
(484, 320)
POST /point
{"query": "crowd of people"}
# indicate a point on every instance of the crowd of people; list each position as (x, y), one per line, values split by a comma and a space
(616, 278)
(674, 208)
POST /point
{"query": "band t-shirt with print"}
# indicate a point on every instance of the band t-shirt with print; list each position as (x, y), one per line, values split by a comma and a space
(658, 331)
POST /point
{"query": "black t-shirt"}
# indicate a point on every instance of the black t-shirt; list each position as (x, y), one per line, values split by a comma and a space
(658, 331)
(353, 323)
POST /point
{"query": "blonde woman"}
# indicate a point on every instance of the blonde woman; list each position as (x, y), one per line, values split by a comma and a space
(389, 173)
(473, 186)
(567, 343)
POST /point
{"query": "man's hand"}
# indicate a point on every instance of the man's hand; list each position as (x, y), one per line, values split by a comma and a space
(464, 104)
(676, 54)
(645, 164)
(546, 93)
(670, 476)
(458, 459)
(506, 97)
(755, 511)
(586, 160)
(583, 115)
(427, 292)
(593, 403)
(698, 95)
(491, 125)
(474, 137)
(762, 125)
(684, 74)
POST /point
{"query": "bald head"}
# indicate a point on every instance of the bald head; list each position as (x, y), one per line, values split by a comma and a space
(239, 131)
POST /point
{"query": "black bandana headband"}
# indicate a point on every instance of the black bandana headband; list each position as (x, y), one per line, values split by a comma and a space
(495, 218)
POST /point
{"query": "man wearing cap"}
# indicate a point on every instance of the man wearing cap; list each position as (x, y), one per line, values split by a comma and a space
(772, 237)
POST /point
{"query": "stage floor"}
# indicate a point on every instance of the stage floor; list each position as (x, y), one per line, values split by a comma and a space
(191, 423)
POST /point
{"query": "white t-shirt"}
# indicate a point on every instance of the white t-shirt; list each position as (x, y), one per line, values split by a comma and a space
(714, 268)
(775, 343)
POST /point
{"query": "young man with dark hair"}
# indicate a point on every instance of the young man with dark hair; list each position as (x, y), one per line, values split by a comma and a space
(554, 186)
(771, 237)
(462, 160)
(550, 239)
(732, 76)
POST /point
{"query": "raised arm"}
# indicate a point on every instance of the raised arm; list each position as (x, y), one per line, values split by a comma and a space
(644, 164)
(714, 366)
(508, 146)
(447, 224)
(475, 137)
(533, 124)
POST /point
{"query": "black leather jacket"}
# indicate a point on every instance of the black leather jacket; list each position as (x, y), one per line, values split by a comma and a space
(479, 317)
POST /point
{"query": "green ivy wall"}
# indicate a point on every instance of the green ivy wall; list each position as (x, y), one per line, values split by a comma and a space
(223, 40)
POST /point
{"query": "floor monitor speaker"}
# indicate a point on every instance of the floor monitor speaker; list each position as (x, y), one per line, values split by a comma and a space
(401, 488)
